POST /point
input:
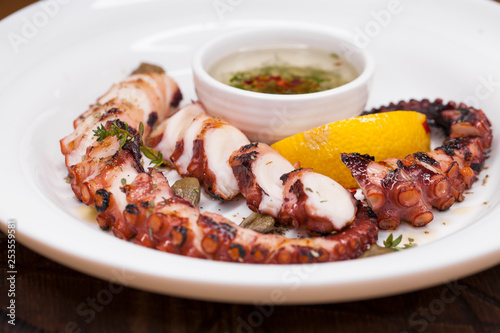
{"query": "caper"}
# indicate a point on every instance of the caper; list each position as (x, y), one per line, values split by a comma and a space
(258, 222)
(376, 250)
(189, 189)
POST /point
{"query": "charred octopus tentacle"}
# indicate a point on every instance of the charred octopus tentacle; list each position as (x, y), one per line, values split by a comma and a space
(174, 225)
(138, 205)
(406, 189)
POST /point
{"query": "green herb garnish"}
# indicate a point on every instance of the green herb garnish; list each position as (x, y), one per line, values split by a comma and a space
(392, 243)
(156, 157)
(123, 136)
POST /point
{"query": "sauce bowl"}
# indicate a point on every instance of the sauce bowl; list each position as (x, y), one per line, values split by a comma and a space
(268, 117)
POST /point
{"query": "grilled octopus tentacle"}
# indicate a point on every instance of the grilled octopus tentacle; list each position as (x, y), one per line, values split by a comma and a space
(138, 205)
(174, 225)
(406, 189)
(155, 218)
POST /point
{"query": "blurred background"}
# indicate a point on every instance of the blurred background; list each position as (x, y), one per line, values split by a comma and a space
(8, 7)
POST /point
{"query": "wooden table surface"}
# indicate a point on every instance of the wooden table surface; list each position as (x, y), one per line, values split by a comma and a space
(51, 298)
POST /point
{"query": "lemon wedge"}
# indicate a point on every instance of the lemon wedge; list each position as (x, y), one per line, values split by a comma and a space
(382, 135)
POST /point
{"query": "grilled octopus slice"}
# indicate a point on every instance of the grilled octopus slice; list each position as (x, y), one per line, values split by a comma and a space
(302, 197)
(200, 146)
(147, 97)
(408, 188)
(309, 200)
(258, 169)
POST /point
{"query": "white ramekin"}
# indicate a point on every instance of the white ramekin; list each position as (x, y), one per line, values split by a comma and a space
(270, 117)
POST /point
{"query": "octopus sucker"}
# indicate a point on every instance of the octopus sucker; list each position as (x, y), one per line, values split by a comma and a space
(406, 189)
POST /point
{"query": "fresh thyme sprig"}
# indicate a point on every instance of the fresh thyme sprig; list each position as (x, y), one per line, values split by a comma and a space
(392, 243)
(123, 136)
(156, 157)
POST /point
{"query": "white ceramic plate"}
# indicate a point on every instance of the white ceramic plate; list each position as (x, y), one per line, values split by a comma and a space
(58, 57)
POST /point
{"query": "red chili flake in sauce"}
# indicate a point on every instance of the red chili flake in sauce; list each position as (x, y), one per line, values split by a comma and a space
(286, 80)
